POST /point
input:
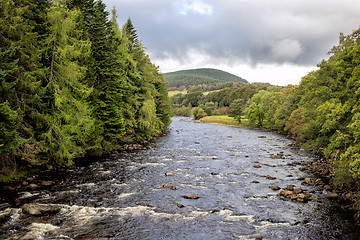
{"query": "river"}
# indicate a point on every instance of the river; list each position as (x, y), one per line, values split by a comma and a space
(200, 181)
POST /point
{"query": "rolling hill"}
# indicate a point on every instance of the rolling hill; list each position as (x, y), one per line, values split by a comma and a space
(201, 76)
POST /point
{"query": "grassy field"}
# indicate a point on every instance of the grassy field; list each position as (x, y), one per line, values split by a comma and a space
(223, 119)
(173, 93)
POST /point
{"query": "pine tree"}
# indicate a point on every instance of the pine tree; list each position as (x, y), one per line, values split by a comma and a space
(104, 75)
(21, 77)
(69, 124)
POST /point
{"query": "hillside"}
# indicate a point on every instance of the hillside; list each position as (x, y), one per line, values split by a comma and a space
(202, 76)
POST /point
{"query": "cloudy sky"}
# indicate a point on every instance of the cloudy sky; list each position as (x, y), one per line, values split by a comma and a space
(275, 41)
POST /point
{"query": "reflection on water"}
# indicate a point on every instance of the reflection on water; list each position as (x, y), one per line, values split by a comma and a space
(198, 182)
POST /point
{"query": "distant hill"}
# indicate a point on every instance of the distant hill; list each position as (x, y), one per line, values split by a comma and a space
(201, 76)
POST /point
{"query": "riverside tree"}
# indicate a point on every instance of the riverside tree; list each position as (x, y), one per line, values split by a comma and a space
(73, 83)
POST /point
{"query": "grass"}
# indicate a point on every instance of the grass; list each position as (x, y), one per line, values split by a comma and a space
(223, 119)
(206, 93)
(173, 93)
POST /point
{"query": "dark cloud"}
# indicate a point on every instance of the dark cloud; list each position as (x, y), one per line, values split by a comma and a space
(298, 32)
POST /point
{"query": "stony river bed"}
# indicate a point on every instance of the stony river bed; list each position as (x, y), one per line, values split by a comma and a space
(200, 181)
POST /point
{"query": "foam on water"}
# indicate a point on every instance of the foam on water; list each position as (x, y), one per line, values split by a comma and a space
(28, 195)
(38, 230)
(230, 216)
(125, 195)
(266, 225)
(89, 185)
(154, 164)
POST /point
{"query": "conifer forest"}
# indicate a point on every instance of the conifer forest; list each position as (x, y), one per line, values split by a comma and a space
(73, 83)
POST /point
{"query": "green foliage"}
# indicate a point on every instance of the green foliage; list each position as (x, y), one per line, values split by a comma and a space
(9, 122)
(323, 112)
(72, 83)
(262, 108)
(217, 102)
(199, 113)
(236, 109)
(69, 122)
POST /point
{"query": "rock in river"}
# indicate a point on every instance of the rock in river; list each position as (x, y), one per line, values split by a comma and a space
(33, 186)
(289, 188)
(40, 209)
(307, 181)
(190, 197)
(275, 188)
(46, 183)
(169, 185)
(332, 195)
(298, 190)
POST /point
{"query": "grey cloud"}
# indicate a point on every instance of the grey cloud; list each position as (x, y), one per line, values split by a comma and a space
(298, 31)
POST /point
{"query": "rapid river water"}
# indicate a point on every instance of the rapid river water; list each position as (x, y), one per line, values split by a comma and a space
(200, 181)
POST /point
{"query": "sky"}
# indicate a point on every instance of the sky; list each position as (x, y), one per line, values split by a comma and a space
(273, 41)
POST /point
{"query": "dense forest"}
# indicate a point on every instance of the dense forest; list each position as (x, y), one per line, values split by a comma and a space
(72, 84)
(202, 79)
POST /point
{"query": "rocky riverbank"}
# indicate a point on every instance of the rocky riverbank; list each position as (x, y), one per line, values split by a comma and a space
(347, 195)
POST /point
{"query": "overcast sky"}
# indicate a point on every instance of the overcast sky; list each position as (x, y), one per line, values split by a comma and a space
(275, 41)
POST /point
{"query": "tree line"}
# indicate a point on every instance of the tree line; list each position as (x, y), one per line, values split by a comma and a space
(73, 83)
(198, 104)
(322, 112)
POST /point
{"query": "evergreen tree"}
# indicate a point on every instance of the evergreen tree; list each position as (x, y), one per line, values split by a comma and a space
(69, 124)
(72, 83)
(21, 75)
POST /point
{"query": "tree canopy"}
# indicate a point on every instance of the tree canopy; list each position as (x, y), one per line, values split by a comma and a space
(323, 111)
(72, 84)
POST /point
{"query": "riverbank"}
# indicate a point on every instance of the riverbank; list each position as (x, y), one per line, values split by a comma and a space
(220, 120)
(347, 195)
(24, 172)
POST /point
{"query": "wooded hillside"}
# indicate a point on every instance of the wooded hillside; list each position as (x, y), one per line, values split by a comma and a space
(202, 76)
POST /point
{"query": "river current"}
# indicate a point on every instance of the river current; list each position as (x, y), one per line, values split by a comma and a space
(200, 181)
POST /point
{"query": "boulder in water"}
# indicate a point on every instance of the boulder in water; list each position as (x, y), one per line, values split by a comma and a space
(191, 197)
(275, 188)
(40, 209)
(169, 185)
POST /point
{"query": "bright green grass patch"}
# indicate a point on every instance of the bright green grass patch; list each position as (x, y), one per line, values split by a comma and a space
(223, 119)
(206, 93)
(173, 93)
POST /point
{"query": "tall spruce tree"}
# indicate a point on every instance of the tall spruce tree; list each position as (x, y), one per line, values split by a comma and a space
(69, 122)
(21, 77)
(104, 76)
(153, 108)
